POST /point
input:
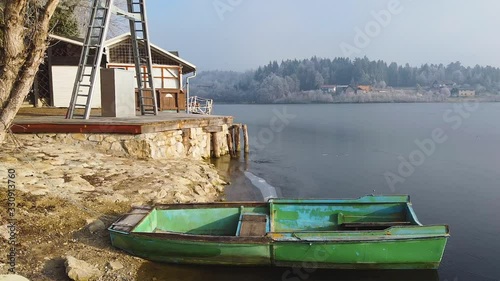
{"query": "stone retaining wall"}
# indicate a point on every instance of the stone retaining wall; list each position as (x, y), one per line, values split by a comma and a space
(190, 142)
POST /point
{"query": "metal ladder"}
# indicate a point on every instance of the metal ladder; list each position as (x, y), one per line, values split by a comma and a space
(90, 59)
(143, 60)
(93, 49)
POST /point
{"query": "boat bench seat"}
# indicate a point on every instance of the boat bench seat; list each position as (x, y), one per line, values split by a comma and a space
(366, 222)
(129, 220)
(252, 225)
(373, 225)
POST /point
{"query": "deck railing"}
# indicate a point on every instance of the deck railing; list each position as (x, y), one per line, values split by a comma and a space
(199, 105)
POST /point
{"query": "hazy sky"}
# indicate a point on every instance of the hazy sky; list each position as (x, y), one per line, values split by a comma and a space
(243, 34)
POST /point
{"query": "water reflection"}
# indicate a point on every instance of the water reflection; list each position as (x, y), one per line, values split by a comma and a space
(157, 271)
(230, 168)
(240, 187)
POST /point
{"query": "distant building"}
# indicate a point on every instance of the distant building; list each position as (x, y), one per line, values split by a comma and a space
(350, 90)
(363, 89)
(466, 93)
(463, 92)
(331, 89)
(342, 88)
(353, 89)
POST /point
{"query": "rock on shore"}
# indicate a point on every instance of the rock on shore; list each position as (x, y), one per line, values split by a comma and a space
(12, 277)
(79, 270)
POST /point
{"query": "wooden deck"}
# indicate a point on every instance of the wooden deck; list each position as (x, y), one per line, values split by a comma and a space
(137, 125)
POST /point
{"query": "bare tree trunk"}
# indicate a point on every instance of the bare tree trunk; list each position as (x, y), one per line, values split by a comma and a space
(25, 42)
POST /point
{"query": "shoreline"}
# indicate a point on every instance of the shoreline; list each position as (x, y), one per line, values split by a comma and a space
(450, 100)
(67, 196)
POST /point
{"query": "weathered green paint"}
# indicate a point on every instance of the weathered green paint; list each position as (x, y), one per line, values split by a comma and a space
(194, 252)
(308, 233)
(338, 254)
(319, 217)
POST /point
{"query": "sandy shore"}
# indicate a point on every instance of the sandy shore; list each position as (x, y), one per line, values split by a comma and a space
(63, 193)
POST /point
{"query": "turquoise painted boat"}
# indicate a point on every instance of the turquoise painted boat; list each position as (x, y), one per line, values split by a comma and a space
(371, 232)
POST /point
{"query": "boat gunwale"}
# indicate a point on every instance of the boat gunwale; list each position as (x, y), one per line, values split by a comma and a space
(268, 238)
(202, 238)
(382, 199)
(205, 205)
(286, 201)
(447, 233)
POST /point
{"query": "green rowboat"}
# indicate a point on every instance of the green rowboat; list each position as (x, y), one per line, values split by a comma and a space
(371, 232)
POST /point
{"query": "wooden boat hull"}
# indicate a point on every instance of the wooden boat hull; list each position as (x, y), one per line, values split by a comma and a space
(194, 252)
(396, 247)
(408, 254)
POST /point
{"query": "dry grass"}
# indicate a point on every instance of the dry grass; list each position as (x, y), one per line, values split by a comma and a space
(50, 228)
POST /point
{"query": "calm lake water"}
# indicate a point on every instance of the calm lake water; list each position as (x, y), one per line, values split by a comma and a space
(449, 155)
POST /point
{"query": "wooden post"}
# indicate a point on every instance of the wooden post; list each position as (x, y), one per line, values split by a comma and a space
(245, 138)
(233, 143)
(216, 145)
(230, 144)
(177, 104)
(36, 92)
(237, 144)
(49, 65)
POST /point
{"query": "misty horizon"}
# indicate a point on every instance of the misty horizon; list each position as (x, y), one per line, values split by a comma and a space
(242, 35)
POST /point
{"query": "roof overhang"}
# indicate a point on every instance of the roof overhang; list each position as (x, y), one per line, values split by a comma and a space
(187, 67)
(67, 40)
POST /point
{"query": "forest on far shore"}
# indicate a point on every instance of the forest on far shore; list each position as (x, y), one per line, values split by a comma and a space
(300, 81)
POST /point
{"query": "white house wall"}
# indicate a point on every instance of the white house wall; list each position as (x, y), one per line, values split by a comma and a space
(63, 79)
(168, 81)
(170, 75)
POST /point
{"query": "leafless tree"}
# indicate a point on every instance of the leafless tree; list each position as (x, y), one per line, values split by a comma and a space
(24, 31)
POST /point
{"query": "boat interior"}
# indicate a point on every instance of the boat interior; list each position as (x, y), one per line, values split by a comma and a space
(278, 216)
